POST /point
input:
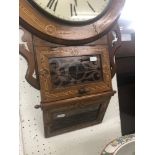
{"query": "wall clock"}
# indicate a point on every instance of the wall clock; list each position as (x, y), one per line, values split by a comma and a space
(71, 48)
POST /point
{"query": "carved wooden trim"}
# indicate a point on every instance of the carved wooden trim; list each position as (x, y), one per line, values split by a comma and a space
(29, 56)
(75, 102)
(26, 50)
(114, 45)
(61, 33)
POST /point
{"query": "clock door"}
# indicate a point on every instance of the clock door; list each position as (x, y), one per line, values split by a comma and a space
(69, 72)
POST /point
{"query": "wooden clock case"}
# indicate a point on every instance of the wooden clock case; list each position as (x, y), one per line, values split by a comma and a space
(78, 102)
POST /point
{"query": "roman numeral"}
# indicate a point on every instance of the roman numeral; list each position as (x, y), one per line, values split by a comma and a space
(73, 10)
(90, 6)
(52, 4)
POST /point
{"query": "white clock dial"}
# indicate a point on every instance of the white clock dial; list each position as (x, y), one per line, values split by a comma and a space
(73, 10)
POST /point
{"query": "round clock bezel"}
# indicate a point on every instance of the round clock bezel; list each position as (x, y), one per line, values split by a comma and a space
(57, 32)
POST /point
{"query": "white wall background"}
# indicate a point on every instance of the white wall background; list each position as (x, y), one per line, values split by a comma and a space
(87, 141)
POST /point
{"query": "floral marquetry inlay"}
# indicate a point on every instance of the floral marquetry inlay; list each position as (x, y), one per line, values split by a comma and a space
(50, 29)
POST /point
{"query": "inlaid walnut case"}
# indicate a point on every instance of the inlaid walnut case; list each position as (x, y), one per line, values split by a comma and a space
(74, 65)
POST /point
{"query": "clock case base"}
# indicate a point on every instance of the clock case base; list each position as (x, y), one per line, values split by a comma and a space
(69, 114)
(78, 114)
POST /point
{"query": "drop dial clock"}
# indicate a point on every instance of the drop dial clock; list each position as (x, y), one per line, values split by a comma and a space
(74, 76)
(73, 10)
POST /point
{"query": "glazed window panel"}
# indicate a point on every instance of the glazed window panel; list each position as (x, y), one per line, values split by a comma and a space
(74, 70)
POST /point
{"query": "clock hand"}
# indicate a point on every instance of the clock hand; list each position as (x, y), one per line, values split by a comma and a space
(75, 2)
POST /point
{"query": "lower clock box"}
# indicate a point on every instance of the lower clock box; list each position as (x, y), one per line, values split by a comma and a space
(77, 114)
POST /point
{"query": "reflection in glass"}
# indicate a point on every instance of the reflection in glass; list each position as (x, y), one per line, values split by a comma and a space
(68, 71)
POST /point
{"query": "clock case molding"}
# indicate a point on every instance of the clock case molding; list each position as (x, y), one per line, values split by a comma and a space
(78, 106)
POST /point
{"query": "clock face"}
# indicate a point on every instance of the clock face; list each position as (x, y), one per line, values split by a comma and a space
(73, 10)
